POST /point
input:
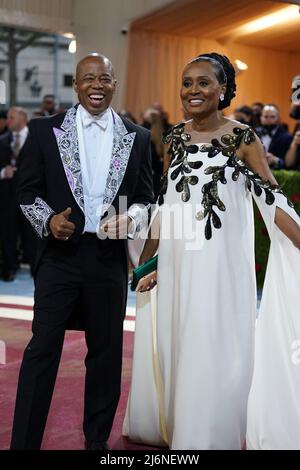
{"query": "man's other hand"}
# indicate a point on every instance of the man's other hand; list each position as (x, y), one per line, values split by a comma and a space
(117, 227)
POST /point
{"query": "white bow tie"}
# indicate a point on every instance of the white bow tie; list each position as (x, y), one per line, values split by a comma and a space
(101, 120)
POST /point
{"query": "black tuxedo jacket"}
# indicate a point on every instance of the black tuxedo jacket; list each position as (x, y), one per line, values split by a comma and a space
(49, 176)
(279, 145)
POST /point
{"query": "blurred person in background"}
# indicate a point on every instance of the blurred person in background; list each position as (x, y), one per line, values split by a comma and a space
(243, 114)
(292, 158)
(127, 115)
(165, 116)
(275, 139)
(14, 227)
(295, 107)
(47, 107)
(295, 112)
(257, 108)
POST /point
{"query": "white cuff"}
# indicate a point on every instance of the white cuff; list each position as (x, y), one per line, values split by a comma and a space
(46, 228)
(139, 215)
(132, 229)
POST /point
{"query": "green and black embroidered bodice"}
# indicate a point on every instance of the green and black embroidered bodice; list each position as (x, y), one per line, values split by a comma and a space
(181, 171)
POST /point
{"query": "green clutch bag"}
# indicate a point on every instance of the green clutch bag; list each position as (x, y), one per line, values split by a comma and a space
(143, 270)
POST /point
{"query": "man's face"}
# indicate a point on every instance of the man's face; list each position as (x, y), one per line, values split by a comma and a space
(269, 116)
(14, 121)
(95, 84)
(48, 104)
(256, 109)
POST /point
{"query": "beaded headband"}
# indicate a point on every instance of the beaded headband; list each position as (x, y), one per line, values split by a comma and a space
(210, 59)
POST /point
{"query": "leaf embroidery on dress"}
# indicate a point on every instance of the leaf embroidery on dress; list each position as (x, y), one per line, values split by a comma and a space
(227, 146)
(179, 164)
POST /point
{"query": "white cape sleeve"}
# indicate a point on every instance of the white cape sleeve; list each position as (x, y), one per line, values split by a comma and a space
(274, 401)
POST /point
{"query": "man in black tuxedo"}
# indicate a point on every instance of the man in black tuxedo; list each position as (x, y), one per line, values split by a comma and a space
(76, 168)
(275, 139)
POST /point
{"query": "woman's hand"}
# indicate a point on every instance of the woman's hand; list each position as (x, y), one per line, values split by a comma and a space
(147, 282)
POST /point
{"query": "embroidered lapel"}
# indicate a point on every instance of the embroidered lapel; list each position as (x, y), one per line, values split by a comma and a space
(67, 141)
(122, 145)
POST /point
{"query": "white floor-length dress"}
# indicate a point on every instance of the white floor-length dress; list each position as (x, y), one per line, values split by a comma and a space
(194, 339)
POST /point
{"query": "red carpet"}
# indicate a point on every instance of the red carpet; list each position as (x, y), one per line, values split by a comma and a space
(64, 426)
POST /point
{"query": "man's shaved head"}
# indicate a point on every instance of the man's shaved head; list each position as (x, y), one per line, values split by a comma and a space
(95, 57)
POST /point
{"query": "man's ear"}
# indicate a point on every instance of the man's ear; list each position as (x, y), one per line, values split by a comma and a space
(75, 85)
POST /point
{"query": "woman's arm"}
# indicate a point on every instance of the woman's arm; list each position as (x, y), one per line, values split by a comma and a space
(254, 157)
(290, 156)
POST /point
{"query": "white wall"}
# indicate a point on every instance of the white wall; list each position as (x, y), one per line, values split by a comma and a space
(98, 25)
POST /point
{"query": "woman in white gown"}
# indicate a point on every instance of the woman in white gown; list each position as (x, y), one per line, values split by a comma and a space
(194, 340)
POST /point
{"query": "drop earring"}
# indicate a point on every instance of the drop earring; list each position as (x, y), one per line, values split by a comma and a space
(222, 97)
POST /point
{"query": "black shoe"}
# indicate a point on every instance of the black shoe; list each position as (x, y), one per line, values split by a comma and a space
(96, 446)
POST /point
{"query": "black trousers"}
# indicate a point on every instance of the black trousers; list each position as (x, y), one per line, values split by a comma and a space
(92, 274)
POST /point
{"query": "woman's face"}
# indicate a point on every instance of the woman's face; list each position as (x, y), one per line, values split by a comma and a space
(200, 90)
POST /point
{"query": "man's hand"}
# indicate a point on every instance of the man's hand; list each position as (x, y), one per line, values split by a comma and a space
(271, 159)
(60, 226)
(117, 227)
(9, 172)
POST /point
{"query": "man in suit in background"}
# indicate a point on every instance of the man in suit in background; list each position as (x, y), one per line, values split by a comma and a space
(76, 169)
(13, 225)
(275, 139)
(47, 107)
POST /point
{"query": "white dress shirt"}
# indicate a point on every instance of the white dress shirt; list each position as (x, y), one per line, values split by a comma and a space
(267, 139)
(95, 140)
(23, 136)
